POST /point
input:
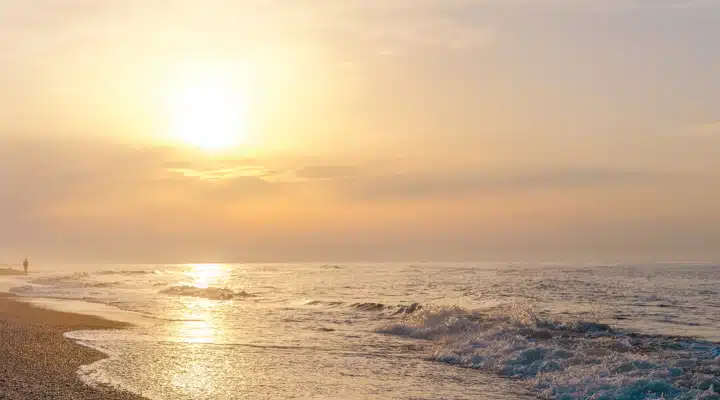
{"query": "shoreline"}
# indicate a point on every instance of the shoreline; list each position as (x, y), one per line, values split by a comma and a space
(39, 362)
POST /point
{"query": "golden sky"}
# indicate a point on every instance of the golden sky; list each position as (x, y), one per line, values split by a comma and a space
(187, 131)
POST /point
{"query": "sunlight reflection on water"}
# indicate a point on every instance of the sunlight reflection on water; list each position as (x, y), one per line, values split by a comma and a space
(205, 275)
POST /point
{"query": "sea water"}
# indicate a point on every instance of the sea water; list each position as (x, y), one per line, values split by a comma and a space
(396, 331)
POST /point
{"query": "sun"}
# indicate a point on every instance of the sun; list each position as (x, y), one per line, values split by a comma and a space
(208, 115)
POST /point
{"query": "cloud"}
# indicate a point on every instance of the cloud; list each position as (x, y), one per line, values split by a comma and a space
(710, 129)
(414, 186)
(87, 199)
(52, 181)
(231, 191)
(34, 172)
(327, 172)
(225, 173)
(166, 27)
(37, 176)
(79, 22)
(703, 130)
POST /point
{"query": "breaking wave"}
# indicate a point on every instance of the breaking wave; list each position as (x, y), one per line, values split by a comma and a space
(212, 293)
(568, 361)
(370, 307)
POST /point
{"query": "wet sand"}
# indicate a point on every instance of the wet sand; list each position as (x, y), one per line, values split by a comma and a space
(38, 362)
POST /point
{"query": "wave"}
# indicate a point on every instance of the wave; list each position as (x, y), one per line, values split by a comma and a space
(370, 307)
(568, 361)
(11, 272)
(75, 280)
(325, 303)
(51, 280)
(88, 279)
(127, 272)
(395, 310)
(329, 266)
(76, 276)
(212, 293)
(21, 289)
(100, 284)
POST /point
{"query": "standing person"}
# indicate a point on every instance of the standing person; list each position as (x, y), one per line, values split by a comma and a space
(25, 265)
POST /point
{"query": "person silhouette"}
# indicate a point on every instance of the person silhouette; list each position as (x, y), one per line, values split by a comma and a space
(25, 265)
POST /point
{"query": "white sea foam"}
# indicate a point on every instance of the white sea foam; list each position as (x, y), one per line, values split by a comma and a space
(212, 293)
(568, 361)
(369, 306)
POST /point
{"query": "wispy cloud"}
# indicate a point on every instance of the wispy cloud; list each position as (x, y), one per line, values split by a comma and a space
(703, 130)
(327, 172)
(470, 183)
(224, 173)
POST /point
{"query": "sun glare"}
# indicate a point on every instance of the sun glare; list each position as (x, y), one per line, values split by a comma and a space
(208, 116)
(204, 275)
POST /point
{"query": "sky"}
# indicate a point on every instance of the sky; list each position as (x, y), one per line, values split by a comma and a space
(362, 130)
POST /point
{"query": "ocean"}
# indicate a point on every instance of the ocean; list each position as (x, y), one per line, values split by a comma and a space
(395, 331)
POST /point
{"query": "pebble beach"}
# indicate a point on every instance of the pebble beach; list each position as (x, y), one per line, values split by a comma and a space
(38, 362)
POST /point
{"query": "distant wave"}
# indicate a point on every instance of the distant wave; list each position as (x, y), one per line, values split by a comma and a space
(75, 280)
(11, 271)
(88, 279)
(21, 289)
(325, 303)
(212, 293)
(51, 280)
(76, 276)
(579, 360)
(126, 272)
(329, 266)
(100, 284)
(370, 307)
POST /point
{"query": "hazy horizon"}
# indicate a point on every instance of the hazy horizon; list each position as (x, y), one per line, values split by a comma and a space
(407, 130)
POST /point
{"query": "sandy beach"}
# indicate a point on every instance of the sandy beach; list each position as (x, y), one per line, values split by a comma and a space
(38, 362)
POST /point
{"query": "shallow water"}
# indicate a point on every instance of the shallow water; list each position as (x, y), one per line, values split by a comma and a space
(398, 331)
